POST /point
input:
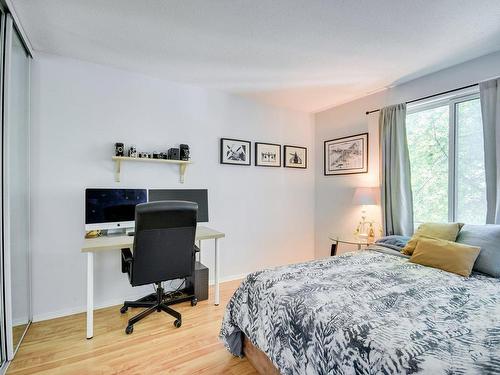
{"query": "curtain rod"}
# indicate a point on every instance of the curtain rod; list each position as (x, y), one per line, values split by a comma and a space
(430, 96)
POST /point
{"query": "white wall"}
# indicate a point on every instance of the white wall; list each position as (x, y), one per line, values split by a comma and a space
(79, 110)
(334, 212)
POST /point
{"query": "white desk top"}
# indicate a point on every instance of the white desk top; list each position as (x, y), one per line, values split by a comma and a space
(105, 243)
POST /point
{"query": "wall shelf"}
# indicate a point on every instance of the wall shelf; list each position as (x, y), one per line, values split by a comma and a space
(181, 163)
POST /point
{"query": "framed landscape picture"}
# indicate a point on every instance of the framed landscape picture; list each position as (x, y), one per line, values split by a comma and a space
(347, 155)
(295, 157)
(234, 151)
(267, 154)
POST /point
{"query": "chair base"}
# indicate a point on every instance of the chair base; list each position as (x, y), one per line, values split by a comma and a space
(155, 302)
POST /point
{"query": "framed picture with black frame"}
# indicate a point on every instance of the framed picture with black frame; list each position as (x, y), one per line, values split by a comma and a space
(235, 151)
(267, 154)
(294, 157)
(346, 155)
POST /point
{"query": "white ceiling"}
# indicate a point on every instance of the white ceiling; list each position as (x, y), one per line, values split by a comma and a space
(301, 54)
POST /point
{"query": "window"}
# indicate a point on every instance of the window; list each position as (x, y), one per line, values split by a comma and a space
(445, 141)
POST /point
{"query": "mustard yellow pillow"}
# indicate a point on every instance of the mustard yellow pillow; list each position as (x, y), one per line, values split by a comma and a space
(443, 231)
(445, 255)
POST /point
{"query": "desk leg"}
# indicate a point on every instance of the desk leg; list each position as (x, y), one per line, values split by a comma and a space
(90, 295)
(216, 277)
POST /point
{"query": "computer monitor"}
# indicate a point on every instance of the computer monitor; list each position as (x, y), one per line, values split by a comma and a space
(199, 196)
(112, 208)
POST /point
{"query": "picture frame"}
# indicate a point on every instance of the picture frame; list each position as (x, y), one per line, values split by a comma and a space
(267, 154)
(235, 151)
(346, 155)
(295, 157)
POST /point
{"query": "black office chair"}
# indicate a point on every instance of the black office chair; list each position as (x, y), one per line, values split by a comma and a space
(163, 250)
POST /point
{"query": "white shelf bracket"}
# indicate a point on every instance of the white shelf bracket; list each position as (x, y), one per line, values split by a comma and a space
(182, 171)
(117, 170)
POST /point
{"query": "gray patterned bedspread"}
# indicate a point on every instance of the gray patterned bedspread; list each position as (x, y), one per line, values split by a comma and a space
(368, 313)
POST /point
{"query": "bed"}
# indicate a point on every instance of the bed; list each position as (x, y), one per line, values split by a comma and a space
(365, 312)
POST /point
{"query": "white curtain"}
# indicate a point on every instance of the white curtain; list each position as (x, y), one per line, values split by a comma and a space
(490, 109)
(397, 201)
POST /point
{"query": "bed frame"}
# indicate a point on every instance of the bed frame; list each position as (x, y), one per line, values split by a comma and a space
(258, 359)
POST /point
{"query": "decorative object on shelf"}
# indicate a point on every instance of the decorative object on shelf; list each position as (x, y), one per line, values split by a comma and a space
(93, 234)
(235, 151)
(371, 233)
(118, 159)
(347, 155)
(267, 154)
(173, 154)
(132, 152)
(365, 196)
(156, 155)
(184, 152)
(295, 157)
(119, 150)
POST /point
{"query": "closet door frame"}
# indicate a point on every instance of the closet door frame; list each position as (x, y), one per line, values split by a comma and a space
(3, 323)
(9, 33)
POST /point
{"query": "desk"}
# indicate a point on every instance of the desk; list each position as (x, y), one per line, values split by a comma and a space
(107, 243)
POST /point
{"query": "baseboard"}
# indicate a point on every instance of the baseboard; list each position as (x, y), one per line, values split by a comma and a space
(20, 321)
(112, 302)
(81, 309)
(229, 278)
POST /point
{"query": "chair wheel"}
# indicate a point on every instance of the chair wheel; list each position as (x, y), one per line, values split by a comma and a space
(194, 301)
(177, 323)
(124, 309)
(129, 329)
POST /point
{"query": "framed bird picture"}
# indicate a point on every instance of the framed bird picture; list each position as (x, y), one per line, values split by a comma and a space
(294, 157)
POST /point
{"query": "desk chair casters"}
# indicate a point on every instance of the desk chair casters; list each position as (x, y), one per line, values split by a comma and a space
(152, 302)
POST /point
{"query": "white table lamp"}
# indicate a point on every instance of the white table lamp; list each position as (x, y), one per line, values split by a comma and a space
(365, 196)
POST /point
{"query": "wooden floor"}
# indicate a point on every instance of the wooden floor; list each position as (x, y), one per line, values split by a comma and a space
(59, 346)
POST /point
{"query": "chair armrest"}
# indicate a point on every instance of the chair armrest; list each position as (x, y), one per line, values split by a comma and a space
(127, 260)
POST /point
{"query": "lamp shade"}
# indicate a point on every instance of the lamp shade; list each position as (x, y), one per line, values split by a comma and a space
(366, 196)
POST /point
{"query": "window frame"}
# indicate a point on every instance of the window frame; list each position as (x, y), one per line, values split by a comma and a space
(451, 100)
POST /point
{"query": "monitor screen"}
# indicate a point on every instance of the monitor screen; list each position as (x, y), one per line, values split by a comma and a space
(199, 196)
(112, 208)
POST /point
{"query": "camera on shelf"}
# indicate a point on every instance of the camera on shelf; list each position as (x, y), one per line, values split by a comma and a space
(184, 152)
(173, 154)
(132, 152)
(119, 149)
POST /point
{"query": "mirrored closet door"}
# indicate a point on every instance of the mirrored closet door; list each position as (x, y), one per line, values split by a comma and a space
(16, 209)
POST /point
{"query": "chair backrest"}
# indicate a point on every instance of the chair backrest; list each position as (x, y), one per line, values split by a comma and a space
(164, 241)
